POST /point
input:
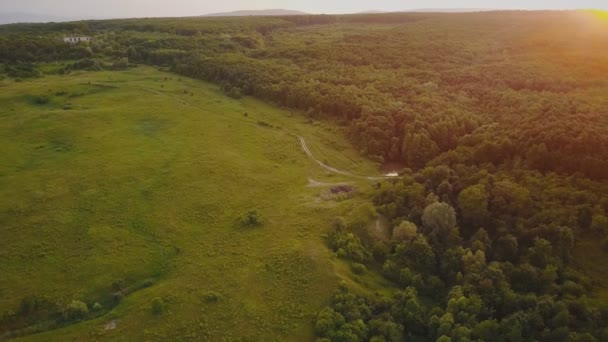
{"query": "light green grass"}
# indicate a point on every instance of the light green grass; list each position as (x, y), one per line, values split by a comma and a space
(140, 180)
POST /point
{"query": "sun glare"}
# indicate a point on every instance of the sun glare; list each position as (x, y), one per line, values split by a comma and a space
(602, 14)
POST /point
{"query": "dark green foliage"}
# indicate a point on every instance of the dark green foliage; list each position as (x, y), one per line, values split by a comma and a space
(76, 310)
(23, 71)
(252, 218)
(120, 64)
(90, 64)
(211, 297)
(40, 99)
(158, 306)
(358, 268)
(473, 205)
(508, 280)
(346, 244)
(234, 92)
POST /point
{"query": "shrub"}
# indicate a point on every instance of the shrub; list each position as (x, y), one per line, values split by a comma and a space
(76, 310)
(41, 100)
(120, 64)
(23, 71)
(158, 306)
(97, 307)
(358, 268)
(235, 93)
(264, 124)
(251, 219)
(211, 297)
(90, 64)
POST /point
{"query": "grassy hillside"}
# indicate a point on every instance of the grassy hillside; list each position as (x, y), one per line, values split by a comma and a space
(133, 182)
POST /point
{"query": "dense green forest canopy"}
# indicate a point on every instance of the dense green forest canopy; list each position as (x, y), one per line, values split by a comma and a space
(499, 120)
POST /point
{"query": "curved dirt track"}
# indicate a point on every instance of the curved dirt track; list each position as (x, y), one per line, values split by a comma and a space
(333, 169)
(301, 138)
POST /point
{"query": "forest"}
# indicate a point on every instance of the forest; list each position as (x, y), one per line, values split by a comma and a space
(498, 123)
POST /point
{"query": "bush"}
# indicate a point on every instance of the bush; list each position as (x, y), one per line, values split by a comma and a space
(251, 219)
(23, 71)
(41, 100)
(264, 124)
(86, 64)
(121, 64)
(97, 307)
(158, 306)
(211, 297)
(76, 310)
(235, 93)
(358, 268)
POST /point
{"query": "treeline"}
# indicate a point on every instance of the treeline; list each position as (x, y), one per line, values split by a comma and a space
(26, 48)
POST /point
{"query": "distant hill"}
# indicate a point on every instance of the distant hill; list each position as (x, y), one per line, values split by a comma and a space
(21, 17)
(266, 13)
(432, 10)
(451, 10)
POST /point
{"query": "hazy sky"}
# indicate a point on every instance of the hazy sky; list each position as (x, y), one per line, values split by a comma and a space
(143, 8)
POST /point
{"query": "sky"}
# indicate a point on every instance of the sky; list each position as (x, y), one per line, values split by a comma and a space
(164, 8)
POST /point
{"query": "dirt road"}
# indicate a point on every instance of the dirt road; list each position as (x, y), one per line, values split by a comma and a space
(302, 140)
(333, 169)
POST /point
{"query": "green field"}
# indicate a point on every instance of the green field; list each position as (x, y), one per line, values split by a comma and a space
(134, 181)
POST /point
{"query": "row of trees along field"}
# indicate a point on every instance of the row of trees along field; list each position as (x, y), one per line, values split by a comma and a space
(500, 118)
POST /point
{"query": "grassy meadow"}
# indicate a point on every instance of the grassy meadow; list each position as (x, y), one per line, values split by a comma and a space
(134, 182)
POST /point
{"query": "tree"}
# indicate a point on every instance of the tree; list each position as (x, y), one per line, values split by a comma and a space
(486, 330)
(386, 329)
(541, 254)
(473, 205)
(439, 221)
(418, 148)
(481, 241)
(328, 322)
(439, 217)
(506, 248)
(510, 199)
(406, 231)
